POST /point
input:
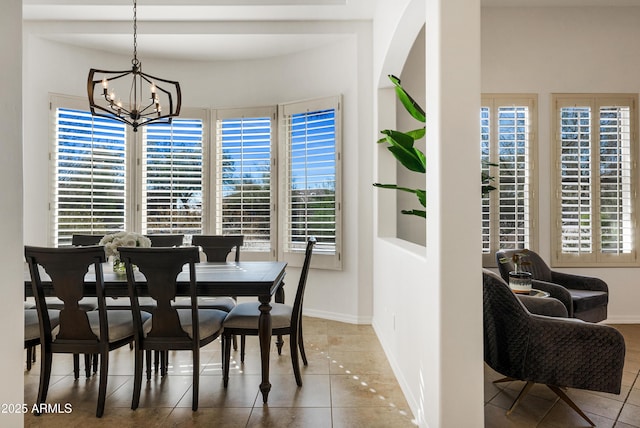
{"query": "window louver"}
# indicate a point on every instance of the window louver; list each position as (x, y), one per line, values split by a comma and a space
(506, 141)
(244, 176)
(311, 178)
(90, 175)
(172, 177)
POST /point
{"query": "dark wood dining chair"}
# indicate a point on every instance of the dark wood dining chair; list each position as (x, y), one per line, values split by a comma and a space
(217, 249)
(169, 328)
(79, 331)
(81, 240)
(32, 331)
(166, 240)
(285, 320)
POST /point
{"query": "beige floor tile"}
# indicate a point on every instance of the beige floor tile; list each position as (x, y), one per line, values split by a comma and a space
(241, 393)
(227, 417)
(359, 363)
(366, 391)
(314, 392)
(353, 342)
(494, 417)
(157, 392)
(377, 417)
(300, 417)
(630, 415)
(121, 418)
(563, 416)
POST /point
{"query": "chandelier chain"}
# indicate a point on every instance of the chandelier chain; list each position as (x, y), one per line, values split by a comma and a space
(135, 34)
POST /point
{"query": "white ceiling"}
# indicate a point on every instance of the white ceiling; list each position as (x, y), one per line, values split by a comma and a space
(218, 29)
(197, 29)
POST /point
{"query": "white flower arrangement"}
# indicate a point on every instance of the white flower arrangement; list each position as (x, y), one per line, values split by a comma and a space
(112, 241)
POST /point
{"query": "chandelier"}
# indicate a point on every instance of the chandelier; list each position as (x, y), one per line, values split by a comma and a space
(150, 99)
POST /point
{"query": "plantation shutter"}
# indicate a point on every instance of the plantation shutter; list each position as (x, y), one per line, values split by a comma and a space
(311, 170)
(244, 179)
(596, 212)
(485, 156)
(172, 184)
(89, 169)
(507, 140)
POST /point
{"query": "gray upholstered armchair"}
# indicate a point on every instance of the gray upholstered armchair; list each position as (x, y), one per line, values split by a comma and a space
(585, 297)
(557, 352)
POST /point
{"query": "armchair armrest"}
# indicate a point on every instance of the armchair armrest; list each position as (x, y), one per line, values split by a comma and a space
(579, 282)
(576, 354)
(557, 292)
(544, 306)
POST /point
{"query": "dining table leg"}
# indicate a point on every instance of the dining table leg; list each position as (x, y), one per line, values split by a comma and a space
(279, 298)
(264, 333)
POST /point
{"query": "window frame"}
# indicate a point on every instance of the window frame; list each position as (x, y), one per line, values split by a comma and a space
(494, 101)
(594, 258)
(214, 208)
(134, 174)
(57, 101)
(295, 257)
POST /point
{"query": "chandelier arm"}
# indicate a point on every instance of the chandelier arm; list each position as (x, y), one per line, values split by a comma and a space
(110, 115)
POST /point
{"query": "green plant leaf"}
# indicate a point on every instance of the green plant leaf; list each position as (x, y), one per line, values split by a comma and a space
(410, 159)
(397, 138)
(407, 101)
(416, 134)
(419, 213)
(421, 194)
(401, 145)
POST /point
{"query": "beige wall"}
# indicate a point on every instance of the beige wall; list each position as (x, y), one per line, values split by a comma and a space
(11, 353)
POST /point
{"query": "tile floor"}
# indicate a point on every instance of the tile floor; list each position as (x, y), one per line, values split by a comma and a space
(348, 383)
(542, 408)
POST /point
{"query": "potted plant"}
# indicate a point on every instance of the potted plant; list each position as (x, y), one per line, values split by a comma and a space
(519, 280)
(401, 145)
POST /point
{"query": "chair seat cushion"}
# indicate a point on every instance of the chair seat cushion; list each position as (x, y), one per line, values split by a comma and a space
(209, 320)
(125, 303)
(86, 303)
(584, 300)
(221, 303)
(245, 316)
(120, 323)
(32, 324)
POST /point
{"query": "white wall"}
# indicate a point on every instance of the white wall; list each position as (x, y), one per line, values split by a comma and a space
(427, 300)
(412, 228)
(339, 68)
(11, 353)
(547, 50)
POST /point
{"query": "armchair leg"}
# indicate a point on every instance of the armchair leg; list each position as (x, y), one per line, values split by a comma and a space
(520, 396)
(560, 393)
(504, 379)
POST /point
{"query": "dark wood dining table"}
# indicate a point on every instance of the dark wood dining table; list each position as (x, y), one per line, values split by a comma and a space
(258, 279)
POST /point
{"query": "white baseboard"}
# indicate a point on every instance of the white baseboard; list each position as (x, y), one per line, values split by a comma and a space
(411, 400)
(335, 316)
